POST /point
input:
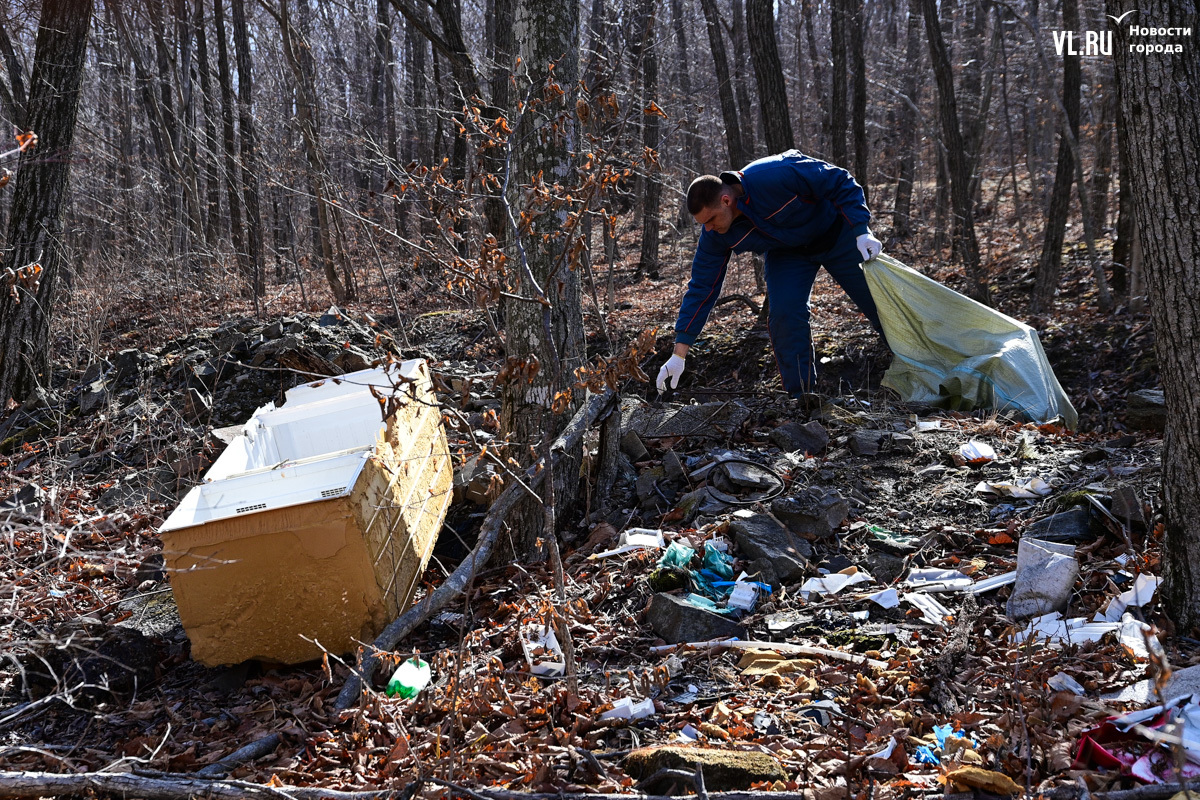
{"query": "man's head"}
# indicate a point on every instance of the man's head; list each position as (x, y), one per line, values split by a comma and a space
(713, 203)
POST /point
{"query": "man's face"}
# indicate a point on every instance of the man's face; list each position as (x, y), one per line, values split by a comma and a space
(718, 217)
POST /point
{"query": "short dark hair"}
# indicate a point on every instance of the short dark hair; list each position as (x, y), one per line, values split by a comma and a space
(703, 193)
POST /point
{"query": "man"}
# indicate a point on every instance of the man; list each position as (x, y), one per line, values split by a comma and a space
(803, 214)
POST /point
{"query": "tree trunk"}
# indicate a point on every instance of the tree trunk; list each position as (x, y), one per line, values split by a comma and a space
(683, 79)
(818, 76)
(212, 181)
(35, 223)
(1163, 126)
(1102, 168)
(858, 115)
(1050, 262)
(237, 232)
(550, 331)
(768, 71)
(839, 91)
(249, 145)
(733, 128)
(1123, 246)
(960, 177)
(737, 33)
(647, 53)
(906, 166)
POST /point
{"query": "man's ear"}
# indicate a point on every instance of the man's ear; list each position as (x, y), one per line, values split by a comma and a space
(727, 199)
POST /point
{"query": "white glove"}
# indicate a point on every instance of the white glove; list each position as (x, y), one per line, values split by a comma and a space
(673, 369)
(868, 246)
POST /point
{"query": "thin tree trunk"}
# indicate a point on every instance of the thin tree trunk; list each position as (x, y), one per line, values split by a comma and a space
(1123, 246)
(858, 109)
(906, 168)
(683, 79)
(652, 195)
(249, 145)
(737, 33)
(237, 232)
(212, 180)
(818, 78)
(768, 70)
(960, 198)
(1102, 168)
(35, 223)
(733, 129)
(839, 91)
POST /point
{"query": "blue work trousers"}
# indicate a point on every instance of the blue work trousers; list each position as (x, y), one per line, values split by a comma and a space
(790, 276)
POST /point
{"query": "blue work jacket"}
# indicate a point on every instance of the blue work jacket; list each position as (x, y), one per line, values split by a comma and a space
(789, 201)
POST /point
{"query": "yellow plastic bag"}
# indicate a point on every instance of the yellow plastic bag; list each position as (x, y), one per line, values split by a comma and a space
(953, 352)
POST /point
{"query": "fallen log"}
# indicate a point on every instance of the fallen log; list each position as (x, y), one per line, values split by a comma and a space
(256, 749)
(125, 784)
(458, 581)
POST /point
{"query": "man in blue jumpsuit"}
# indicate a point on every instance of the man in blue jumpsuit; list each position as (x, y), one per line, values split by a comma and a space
(803, 214)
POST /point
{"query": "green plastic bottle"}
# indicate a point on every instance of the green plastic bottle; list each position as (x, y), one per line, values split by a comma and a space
(409, 679)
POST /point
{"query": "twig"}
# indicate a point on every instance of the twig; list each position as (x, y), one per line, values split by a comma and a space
(250, 752)
(52, 784)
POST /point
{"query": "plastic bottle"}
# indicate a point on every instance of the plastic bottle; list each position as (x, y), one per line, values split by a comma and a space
(409, 679)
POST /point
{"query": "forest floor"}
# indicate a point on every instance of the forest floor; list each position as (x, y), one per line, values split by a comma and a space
(97, 674)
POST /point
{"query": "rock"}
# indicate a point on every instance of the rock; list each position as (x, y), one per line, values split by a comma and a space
(708, 421)
(352, 360)
(835, 563)
(205, 373)
(331, 317)
(884, 567)
(274, 330)
(631, 445)
(811, 437)
(1127, 507)
(1069, 526)
(95, 371)
(748, 476)
(221, 437)
(673, 466)
(698, 502)
(817, 511)
(94, 398)
(723, 769)
(196, 405)
(760, 536)
(675, 620)
(152, 568)
(865, 442)
(762, 569)
(1147, 410)
(648, 488)
(129, 365)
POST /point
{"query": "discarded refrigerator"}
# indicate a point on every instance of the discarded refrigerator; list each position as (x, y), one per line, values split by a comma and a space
(311, 530)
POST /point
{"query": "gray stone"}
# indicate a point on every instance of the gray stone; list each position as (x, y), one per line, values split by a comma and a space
(884, 567)
(1127, 507)
(697, 503)
(647, 481)
(673, 466)
(866, 442)
(95, 371)
(129, 365)
(274, 330)
(748, 476)
(473, 482)
(352, 360)
(1069, 526)
(631, 445)
(760, 536)
(675, 620)
(94, 398)
(707, 421)
(816, 511)
(811, 437)
(225, 436)
(762, 569)
(723, 769)
(1147, 410)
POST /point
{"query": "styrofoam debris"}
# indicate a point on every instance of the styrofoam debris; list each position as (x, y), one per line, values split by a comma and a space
(744, 596)
(931, 579)
(1030, 489)
(931, 610)
(628, 708)
(1141, 593)
(832, 584)
(548, 662)
(992, 583)
(634, 539)
(1058, 631)
(888, 598)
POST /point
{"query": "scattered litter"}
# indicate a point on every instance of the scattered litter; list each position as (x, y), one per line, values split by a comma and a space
(744, 596)
(689, 733)
(861, 616)
(779, 647)
(634, 539)
(822, 711)
(931, 610)
(409, 679)
(992, 583)
(977, 452)
(895, 542)
(628, 708)
(1058, 631)
(1062, 682)
(922, 425)
(542, 651)
(1141, 593)
(1030, 489)
(888, 598)
(832, 584)
(1137, 743)
(677, 555)
(1046, 574)
(929, 579)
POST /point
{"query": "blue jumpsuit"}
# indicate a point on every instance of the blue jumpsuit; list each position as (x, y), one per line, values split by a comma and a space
(803, 214)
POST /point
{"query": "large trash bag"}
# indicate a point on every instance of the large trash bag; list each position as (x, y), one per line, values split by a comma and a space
(953, 352)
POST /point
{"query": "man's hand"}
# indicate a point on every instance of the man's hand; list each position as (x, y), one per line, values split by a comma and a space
(673, 369)
(868, 246)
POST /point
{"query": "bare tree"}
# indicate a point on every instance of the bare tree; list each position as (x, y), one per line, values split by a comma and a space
(768, 71)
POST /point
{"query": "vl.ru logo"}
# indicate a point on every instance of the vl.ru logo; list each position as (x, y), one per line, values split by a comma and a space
(1100, 43)
(1095, 43)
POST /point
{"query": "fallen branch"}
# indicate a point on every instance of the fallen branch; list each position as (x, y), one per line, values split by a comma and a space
(256, 749)
(123, 784)
(754, 307)
(458, 581)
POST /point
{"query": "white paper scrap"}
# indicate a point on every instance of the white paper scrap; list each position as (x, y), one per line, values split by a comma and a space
(832, 584)
(888, 598)
(930, 579)
(1030, 489)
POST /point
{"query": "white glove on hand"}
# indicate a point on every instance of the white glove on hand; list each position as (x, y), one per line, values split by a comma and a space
(673, 369)
(868, 246)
